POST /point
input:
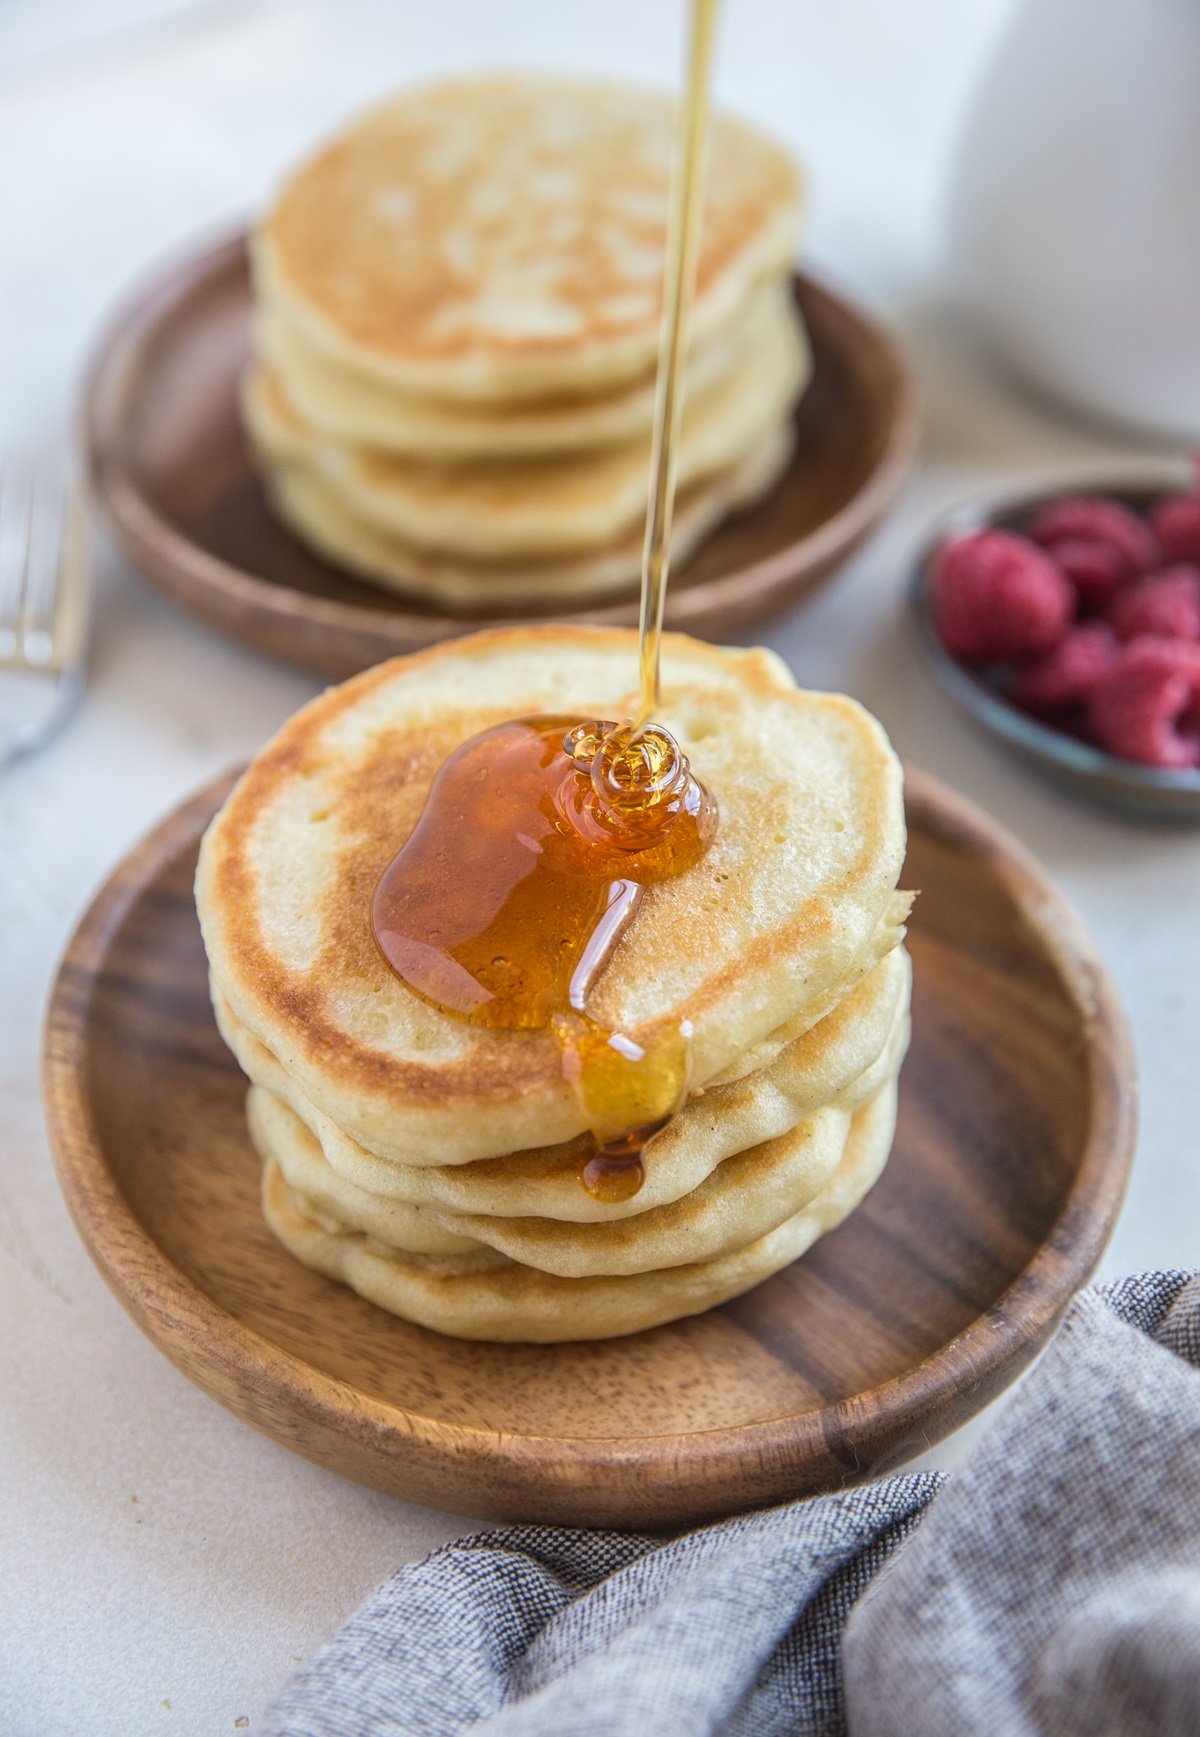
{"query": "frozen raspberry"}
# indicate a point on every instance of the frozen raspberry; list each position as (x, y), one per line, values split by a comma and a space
(1095, 569)
(998, 599)
(1176, 522)
(1147, 707)
(1166, 603)
(1097, 520)
(1068, 674)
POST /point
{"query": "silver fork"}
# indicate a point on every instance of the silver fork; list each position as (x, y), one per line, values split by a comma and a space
(44, 583)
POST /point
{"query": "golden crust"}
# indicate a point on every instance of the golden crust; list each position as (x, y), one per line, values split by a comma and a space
(504, 237)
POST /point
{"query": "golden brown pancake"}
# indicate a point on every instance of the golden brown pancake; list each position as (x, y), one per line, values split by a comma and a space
(347, 405)
(818, 1068)
(532, 508)
(503, 238)
(305, 502)
(743, 1198)
(471, 1298)
(781, 910)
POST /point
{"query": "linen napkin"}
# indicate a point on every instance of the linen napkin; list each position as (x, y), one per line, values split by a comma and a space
(1053, 1588)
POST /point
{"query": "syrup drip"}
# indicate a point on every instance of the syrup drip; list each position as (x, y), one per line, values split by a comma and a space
(530, 858)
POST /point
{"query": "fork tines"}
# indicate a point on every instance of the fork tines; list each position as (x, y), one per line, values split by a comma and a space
(43, 566)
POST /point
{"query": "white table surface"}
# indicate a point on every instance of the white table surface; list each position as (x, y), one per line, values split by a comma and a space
(162, 1567)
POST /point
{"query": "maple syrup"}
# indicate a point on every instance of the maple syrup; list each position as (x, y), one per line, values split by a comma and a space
(528, 862)
(683, 237)
(540, 835)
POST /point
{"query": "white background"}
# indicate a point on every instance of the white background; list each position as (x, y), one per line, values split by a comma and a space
(161, 1566)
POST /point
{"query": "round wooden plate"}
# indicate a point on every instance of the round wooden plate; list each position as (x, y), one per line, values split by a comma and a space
(168, 463)
(1014, 1141)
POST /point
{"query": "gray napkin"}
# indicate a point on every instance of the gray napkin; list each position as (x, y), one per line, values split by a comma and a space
(1054, 1589)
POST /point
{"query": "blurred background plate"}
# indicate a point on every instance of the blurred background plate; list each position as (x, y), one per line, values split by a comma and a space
(168, 463)
(1138, 792)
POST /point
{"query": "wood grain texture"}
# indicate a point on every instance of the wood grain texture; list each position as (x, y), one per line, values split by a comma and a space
(169, 466)
(1015, 1137)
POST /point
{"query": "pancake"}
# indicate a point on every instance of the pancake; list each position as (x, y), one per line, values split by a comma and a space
(278, 1134)
(828, 1063)
(499, 510)
(743, 1198)
(884, 939)
(779, 911)
(503, 238)
(318, 516)
(348, 405)
(468, 1300)
(721, 1215)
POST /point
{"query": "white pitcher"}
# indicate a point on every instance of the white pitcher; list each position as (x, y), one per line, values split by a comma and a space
(1074, 219)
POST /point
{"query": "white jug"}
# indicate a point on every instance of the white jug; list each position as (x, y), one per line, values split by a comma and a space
(1074, 219)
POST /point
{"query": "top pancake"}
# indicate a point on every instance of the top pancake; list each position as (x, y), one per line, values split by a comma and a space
(504, 238)
(779, 910)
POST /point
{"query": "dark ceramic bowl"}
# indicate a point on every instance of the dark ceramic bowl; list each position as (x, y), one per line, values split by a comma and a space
(1139, 792)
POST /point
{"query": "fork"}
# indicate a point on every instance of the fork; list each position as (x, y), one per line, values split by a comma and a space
(44, 581)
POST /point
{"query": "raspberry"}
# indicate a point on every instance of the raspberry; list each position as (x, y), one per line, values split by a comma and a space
(1098, 520)
(1166, 604)
(1069, 673)
(1176, 522)
(1147, 707)
(996, 598)
(1094, 568)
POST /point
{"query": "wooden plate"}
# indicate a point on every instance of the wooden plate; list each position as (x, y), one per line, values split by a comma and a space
(167, 461)
(1015, 1137)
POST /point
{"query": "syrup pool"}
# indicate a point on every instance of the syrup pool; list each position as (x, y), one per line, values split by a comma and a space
(533, 851)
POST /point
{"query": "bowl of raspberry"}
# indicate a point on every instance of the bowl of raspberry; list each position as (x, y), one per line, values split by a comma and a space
(1068, 624)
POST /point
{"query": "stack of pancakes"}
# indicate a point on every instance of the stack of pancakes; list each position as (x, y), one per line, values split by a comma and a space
(431, 1163)
(457, 327)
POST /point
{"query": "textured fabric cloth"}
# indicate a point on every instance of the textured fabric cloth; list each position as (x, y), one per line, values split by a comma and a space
(1054, 1589)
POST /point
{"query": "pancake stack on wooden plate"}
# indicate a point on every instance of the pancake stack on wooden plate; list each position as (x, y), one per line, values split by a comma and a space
(458, 310)
(432, 1163)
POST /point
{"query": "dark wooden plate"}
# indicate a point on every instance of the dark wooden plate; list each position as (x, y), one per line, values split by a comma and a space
(1015, 1137)
(167, 461)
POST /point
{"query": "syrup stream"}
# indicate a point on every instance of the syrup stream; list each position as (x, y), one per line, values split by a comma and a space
(683, 246)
